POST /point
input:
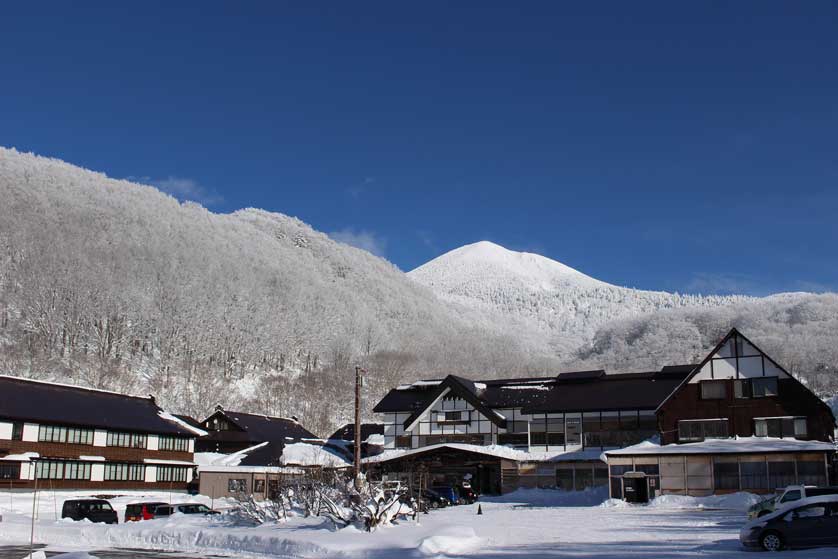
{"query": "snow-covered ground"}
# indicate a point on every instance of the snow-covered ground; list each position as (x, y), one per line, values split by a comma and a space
(528, 523)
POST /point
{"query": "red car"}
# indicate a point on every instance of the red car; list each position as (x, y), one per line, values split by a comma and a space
(141, 511)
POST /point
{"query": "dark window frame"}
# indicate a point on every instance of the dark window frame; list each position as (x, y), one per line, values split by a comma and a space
(708, 383)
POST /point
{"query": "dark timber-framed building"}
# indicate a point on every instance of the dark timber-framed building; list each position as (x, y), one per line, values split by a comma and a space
(683, 429)
(69, 437)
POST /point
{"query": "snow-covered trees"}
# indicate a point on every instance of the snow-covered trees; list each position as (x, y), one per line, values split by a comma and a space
(117, 285)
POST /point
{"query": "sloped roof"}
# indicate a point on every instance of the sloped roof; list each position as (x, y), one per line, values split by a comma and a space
(573, 391)
(347, 432)
(634, 391)
(260, 428)
(62, 404)
(468, 390)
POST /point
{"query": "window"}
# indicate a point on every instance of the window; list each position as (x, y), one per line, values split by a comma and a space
(172, 473)
(216, 424)
(764, 387)
(817, 510)
(124, 472)
(177, 444)
(10, 471)
(236, 485)
(713, 389)
(790, 496)
(573, 428)
(754, 475)
(584, 478)
(780, 474)
(51, 434)
(403, 441)
(127, 440)
(450, 416)
(780, 427)
(698, 430)
(811, 472)
(54, 434)
(17, 431)
(564, 479)
(259, 486)
(513, 439)
(59, 469)
(726, 475)
(742, 388)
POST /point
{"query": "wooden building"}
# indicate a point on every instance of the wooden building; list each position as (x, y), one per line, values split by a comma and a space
(553, 431)
(232, 431)
(70, 437)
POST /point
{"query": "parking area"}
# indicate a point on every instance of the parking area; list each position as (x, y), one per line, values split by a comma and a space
(20, 552)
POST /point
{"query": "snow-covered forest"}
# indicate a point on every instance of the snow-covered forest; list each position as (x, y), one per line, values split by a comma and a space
(117, 285)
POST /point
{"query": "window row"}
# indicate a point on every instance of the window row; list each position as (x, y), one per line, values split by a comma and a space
(700, 429)
(757, 387)
(127, 440)
(767, 475)
(58, 469)
(179, 444)
(124, 472)
(57, 434)
(778, 427)
(172, 473)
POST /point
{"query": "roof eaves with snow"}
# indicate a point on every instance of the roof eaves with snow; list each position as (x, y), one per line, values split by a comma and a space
(735, 445)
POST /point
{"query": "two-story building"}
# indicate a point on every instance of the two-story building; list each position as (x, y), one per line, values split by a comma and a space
(68, 437)
(559, 430)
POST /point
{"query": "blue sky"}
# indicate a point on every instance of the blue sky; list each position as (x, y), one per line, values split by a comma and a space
(676, 146)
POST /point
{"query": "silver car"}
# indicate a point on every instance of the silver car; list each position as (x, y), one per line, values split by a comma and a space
(810, 522)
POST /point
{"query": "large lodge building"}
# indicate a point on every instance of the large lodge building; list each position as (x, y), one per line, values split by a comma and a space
(735, 421)
(67, 437)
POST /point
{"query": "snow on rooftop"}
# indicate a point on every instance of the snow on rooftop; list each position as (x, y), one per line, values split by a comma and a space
(498, 451)
(306, 454)
(480, 385)
(23, 457)
(203, 459)
(167, 462)
(723, 446)
(525, 387)
(191, 428)
(419, 384)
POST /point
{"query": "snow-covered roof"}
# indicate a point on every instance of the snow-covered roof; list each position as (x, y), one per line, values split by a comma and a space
(498, 451)
(306, 454)
(735, 445)
(205, 459)
(169, 417)
(167, 462)
(23, 457)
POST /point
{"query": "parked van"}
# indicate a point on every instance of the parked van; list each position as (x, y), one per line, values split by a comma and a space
(790, 494)
(94, 510)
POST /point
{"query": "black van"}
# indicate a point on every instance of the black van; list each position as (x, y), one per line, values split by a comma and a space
(94, 510)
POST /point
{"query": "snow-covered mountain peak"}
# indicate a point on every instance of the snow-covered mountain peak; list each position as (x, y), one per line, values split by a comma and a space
(485, 260)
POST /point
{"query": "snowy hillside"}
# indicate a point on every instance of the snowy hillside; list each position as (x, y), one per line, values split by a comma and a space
(117, 285)
(557, 306)
(111, 283)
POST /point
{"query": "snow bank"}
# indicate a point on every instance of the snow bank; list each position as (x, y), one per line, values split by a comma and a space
(451, 541)
(553, 497)
(740, 501)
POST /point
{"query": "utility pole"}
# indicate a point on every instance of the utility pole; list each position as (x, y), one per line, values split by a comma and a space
(357, 468)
